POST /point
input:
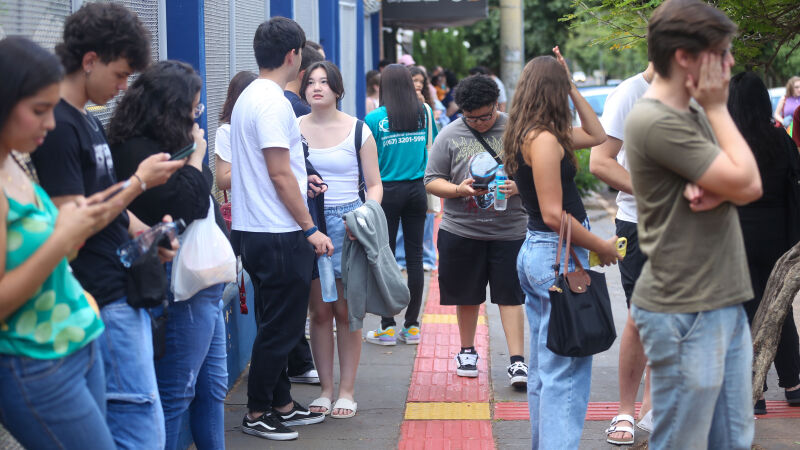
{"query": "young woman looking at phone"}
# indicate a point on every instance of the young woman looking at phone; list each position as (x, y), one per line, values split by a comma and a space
(157, 114)
(53, 391)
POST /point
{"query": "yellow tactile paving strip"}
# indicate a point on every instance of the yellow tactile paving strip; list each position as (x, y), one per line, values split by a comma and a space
(448, 318)
(448, 411)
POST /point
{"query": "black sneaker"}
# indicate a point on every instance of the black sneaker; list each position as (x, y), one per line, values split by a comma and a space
(518, 374)
(793, 397)
(467, 364)
(268, 426)
(760, 408)
(298, 416)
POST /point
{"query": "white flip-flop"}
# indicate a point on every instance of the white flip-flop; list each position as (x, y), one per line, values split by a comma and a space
(322, 402)
(616, 429)
(344, 403)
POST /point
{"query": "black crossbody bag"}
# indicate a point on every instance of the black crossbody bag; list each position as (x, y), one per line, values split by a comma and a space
(483, 142)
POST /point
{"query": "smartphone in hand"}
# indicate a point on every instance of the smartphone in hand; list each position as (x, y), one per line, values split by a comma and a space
(184, 153)
(622, 247)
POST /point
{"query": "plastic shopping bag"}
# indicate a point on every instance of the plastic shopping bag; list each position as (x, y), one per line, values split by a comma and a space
(204, 259)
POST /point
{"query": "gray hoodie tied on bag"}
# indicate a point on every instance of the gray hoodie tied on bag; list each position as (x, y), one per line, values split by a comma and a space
(372, 281)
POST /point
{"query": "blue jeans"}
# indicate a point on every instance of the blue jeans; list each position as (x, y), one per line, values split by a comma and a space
(335, 226)
(134, 412)
(700, 377)
(56, 403)
(193, 374)
(428, 249)
(558, 386)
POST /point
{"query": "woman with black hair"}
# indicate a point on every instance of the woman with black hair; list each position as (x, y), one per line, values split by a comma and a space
(157, 114)
(53, 391)
(770, 224)
(332, 149)
(404, 130)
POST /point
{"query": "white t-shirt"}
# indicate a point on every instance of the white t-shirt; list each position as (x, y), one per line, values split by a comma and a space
(502, 98)
(222, 142)
(618, 104)
(263, 118)
(338, 167)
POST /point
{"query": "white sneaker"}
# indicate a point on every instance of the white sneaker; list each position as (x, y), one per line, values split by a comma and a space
(646, 422)
(308, 329)
(310, 377)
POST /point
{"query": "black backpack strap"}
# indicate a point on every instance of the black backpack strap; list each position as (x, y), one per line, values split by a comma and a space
(482, 141)
(362, 184)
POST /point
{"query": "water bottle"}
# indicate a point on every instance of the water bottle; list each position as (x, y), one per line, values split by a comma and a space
(133, 249)
(500, 200)
(326, 278)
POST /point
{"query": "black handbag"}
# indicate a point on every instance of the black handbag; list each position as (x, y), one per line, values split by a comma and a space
(581, 323)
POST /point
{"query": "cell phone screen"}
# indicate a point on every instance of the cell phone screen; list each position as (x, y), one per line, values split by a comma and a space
(184, 152)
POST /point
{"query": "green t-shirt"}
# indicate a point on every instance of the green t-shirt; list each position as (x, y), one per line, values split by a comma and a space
(58, 320)
(401, 155)
(695, 260)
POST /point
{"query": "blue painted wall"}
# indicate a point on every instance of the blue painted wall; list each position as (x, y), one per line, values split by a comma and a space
(361, 82)
(283, 8)
(329, 29)
(375, 22)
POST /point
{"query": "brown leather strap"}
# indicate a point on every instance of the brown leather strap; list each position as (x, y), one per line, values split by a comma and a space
(225, 194)
(557, 265)
(570, 250)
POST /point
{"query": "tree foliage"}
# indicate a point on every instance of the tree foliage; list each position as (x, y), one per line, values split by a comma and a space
(443, 48)
(768, 29)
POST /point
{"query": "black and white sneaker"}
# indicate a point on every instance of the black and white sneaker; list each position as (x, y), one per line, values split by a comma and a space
(268, 426)
(467, 364)
(298, 416)
(518, 374)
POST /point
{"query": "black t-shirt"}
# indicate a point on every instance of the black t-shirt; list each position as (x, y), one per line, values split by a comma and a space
(75, 160)
(300, 107)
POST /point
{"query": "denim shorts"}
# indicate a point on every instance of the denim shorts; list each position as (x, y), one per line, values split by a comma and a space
(335, 224)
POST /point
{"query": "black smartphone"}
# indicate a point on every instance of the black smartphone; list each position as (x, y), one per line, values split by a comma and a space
(184, 152)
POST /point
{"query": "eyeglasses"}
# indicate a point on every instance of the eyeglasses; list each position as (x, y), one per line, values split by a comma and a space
(483, 118)
(199, 110)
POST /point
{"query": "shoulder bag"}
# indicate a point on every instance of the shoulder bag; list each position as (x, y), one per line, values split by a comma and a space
(581, 323)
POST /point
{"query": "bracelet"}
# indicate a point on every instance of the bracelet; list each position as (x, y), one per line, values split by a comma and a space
(310, 231)
(457, 194)
(142, 184)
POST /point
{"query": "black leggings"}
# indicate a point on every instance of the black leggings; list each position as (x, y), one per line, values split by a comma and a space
(408, 201)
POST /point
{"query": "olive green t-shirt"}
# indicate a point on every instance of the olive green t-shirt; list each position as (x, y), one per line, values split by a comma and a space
(695, 260)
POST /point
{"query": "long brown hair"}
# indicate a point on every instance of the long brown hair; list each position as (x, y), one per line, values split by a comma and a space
(540, 104)
(398, 95)
(240, 81)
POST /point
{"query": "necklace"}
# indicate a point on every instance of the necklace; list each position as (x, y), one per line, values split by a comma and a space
(85, 114)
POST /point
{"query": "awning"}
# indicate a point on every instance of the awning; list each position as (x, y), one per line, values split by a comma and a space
(424, 14)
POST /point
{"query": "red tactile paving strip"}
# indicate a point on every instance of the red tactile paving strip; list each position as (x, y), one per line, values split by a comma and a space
(607, 410)
(446, 434)
(434, 380)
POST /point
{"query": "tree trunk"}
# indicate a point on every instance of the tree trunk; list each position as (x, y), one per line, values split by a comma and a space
(782, 287)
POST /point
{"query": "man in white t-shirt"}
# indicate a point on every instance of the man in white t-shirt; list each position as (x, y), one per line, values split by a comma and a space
(278, 239)
(608, 162)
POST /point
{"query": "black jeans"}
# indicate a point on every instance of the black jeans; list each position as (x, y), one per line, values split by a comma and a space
(280, 266)
(631, 267)
(300, 360)
(408, 201)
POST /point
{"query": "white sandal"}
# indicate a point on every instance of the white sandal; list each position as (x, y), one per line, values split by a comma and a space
(321, 402)
(615, 429)
(344, 403)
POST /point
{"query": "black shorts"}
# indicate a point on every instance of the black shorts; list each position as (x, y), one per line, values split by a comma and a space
(467, 265)
(631, 266)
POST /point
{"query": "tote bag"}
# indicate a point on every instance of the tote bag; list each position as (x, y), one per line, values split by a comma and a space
(204, 259)
(581, 323)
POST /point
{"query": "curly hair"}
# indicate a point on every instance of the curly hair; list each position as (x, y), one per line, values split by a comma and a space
(540, 104)
(108, 29)
(158, 105)
(476, 91)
